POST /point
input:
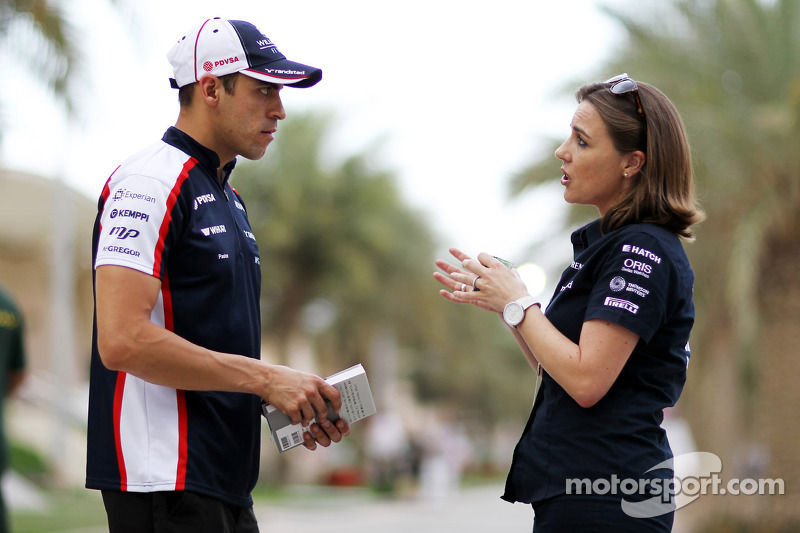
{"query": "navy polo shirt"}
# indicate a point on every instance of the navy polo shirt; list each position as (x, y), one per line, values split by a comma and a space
(165, 213)
(639, 277)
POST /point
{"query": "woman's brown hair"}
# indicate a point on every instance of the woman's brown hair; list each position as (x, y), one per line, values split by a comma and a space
(663, 193)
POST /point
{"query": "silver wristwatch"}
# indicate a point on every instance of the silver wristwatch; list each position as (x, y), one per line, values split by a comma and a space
(514, 312)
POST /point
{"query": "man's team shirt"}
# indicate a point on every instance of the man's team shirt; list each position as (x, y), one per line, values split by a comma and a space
(163, 212)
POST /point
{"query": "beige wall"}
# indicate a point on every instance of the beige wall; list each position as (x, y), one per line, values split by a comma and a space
(37, 218)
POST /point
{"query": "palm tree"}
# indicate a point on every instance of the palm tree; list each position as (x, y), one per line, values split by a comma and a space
(340, 238)
(732, 67)
(36, 34)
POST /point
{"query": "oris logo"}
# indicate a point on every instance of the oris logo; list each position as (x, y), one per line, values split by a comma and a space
(638, 266)
(207, 66)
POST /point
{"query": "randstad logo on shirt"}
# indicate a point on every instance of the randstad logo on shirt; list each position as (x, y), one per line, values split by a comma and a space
(629, 248)
(622, 304)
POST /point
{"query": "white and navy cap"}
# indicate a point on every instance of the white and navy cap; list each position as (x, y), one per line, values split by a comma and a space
(221, 47)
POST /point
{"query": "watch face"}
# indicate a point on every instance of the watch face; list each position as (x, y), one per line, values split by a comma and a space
(513, 313)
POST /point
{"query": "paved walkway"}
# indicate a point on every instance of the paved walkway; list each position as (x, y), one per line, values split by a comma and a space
(471, 510)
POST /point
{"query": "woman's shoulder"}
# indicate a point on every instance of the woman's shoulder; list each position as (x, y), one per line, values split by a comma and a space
(646, 233)
(654, 244)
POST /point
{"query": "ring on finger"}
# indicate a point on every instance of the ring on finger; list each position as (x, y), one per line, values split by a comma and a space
(463, 287)
(474, 281)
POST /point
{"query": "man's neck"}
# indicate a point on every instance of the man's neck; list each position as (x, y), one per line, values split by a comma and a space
(201, 133)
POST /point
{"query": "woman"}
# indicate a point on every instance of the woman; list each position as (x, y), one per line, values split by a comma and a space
(611, 350)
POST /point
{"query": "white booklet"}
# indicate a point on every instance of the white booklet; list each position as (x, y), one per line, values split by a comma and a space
(357, 403)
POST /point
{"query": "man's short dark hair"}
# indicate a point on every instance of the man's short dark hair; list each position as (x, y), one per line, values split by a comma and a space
(185, 92)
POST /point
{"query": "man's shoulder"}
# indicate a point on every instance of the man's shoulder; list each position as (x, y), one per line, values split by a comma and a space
(160, 163)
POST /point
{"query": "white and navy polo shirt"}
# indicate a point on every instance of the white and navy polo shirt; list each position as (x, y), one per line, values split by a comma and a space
(639, 277)
(165, 213)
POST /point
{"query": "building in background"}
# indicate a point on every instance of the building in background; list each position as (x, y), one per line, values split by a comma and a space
(45, 262)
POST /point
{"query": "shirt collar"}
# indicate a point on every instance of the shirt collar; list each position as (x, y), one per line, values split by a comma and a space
(583, 237)
(205, 156)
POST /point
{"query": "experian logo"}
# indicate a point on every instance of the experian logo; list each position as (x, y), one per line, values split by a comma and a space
(131, 195)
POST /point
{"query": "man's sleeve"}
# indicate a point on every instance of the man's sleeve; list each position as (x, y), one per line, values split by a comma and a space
(134, 224)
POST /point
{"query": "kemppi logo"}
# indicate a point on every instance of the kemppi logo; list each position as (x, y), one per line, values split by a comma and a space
(122, 233)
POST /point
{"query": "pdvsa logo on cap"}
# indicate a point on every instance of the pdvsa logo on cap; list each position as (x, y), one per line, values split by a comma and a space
(207, 66)
(222, 62)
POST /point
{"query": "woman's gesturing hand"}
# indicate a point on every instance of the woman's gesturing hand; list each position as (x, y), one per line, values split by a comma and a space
(484, 282)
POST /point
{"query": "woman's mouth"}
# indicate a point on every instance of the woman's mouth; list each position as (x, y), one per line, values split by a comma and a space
(565, 178)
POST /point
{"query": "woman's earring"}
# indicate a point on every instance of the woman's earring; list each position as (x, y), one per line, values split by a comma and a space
(626, 174)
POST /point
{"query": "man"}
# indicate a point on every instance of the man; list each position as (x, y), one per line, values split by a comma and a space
(12, 371)
(176, 380)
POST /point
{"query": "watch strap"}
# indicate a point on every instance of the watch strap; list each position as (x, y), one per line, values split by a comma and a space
(527, 301)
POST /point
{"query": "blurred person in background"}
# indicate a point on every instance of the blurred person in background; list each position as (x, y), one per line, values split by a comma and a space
(12, 372)
(176, 379)
(612, 348)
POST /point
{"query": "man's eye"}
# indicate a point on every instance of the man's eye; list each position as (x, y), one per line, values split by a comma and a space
(266, 91)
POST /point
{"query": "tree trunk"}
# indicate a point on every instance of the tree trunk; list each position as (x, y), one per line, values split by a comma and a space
(778, 393)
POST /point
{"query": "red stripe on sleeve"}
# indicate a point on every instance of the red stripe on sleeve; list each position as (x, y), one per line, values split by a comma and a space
(171, 200)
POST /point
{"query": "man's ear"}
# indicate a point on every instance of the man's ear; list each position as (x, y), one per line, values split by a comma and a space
(634, 163)
(209, 87)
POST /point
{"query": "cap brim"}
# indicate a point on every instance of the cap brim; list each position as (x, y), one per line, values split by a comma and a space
(285, 72)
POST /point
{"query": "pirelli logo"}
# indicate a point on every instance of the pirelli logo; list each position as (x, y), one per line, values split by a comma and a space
(621, 304)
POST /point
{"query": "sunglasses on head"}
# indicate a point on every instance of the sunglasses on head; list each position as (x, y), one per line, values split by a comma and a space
(622, 84)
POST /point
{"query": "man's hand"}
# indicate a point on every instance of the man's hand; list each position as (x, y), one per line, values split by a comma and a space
(301, 396)
(329, 432)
